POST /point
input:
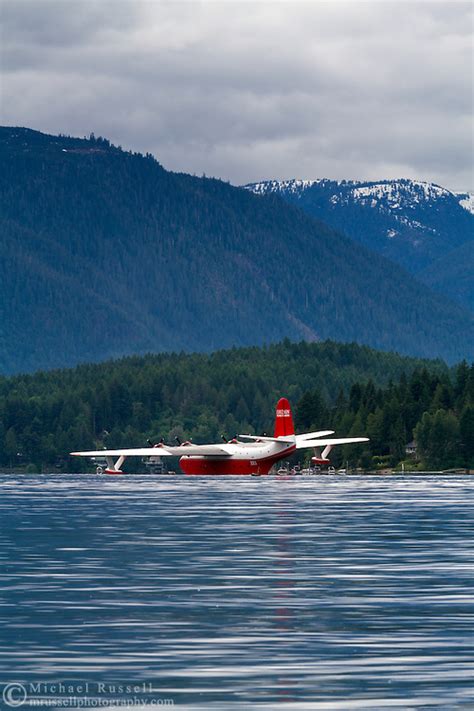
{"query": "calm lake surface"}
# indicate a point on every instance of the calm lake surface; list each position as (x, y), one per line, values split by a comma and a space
(311, 593)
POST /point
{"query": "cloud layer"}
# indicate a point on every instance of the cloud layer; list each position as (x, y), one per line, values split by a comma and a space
(252, 90)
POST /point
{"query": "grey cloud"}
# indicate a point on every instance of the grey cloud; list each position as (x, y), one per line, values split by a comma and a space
(246, 91)
(55, 23)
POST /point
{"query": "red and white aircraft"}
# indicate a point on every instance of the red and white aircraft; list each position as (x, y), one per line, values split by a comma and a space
(256, 456)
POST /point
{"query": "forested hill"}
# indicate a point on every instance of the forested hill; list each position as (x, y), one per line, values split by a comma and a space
(105, 253)
(345, 387)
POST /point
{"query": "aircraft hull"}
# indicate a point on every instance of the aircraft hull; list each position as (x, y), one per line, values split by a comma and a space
(201, 466)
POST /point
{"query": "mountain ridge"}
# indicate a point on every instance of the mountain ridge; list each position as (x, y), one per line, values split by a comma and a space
(105, 253)
(369, 187)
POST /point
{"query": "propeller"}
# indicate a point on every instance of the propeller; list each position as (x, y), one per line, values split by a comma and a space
(158, 444)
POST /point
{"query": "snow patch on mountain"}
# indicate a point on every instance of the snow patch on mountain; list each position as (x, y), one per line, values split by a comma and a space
(396, 191)
(289, 186)
(467, 201)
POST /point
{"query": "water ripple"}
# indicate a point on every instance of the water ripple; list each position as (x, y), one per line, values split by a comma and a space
(321, 593)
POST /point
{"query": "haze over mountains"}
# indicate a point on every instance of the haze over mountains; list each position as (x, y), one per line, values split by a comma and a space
(105, 253)
(427, 229)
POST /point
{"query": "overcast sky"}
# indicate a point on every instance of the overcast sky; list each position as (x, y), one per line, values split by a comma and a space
(252, 90)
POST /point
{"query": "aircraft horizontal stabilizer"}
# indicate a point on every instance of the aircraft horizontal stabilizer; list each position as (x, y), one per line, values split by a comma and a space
(310, 443)
(263, 438)
(313, 435)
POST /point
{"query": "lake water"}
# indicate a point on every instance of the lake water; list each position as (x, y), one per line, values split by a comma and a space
(314, 593)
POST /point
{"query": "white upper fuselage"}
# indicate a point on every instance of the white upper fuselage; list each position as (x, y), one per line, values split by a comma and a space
(236, 450)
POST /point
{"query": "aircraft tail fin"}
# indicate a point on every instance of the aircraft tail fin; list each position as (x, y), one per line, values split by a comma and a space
(284, 419)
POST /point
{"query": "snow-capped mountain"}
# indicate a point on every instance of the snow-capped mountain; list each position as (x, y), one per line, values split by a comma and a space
(412, 222)
(386, 195)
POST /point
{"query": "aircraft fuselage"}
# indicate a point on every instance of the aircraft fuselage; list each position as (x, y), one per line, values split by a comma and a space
(254, 459)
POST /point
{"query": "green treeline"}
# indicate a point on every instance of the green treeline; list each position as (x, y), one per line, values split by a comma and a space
(346, 387)
(436, 410)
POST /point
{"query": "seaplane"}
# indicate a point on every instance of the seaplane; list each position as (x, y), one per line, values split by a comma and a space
(244, 454)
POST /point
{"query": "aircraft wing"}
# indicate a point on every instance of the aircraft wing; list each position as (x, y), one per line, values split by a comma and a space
(306, 443)
(209, 450)
(135, 452)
